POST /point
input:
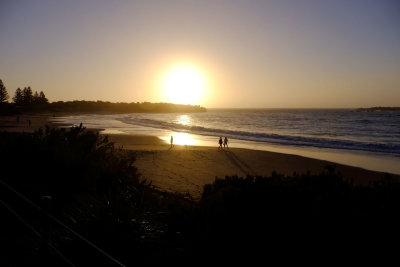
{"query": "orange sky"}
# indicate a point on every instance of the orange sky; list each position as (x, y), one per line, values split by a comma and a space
(262, 54)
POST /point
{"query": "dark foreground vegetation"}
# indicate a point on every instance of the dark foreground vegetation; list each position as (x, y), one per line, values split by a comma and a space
(80, 180)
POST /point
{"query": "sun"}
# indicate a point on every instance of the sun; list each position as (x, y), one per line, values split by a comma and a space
(183, 84)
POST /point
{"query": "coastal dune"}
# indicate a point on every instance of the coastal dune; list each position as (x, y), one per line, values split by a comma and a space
(186, 169)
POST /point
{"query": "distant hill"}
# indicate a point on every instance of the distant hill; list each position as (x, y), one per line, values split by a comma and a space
(103, 107)
(379, 109)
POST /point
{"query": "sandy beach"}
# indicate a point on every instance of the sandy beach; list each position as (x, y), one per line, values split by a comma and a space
(186, 169)
(20, 123)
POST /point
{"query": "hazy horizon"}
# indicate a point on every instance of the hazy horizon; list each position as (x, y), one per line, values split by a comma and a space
(230, 54)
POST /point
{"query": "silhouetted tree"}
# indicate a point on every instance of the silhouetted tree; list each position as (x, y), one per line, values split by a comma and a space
(35, 99)
(27, 95)
(18, 99)
(3, 93)
(43, 99)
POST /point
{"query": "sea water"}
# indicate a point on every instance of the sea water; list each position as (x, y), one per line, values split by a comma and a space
(369, 140)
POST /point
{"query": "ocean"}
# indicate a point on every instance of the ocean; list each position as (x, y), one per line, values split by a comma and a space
(360, 138)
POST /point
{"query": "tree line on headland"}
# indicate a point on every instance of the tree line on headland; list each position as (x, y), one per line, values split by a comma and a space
(372, 109)
(26, 100)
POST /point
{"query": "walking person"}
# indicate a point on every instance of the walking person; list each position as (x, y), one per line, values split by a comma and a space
(220, 143)
(226, 142)
(172, 141)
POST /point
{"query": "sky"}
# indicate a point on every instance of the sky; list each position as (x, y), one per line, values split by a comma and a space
(249, 54)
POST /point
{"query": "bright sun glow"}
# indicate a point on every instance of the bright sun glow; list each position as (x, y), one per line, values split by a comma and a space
(184, 84)
(181, 139)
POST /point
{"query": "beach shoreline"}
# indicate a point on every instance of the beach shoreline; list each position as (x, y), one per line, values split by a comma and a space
(186, 169)
(365, 153)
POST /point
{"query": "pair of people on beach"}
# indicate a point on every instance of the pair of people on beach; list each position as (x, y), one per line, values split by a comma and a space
(225, 142)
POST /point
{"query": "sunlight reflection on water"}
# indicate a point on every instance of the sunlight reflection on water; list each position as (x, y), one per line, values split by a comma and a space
(183, 119)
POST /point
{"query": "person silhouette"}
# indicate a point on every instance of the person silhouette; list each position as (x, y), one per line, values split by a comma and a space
(220, 143)
(29, 122)
(172, 141)
(226, 142)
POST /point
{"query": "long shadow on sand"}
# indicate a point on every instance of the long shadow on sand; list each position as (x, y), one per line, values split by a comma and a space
(239, 163)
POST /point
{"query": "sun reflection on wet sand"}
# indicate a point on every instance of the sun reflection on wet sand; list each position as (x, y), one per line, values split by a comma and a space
(182, 139)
